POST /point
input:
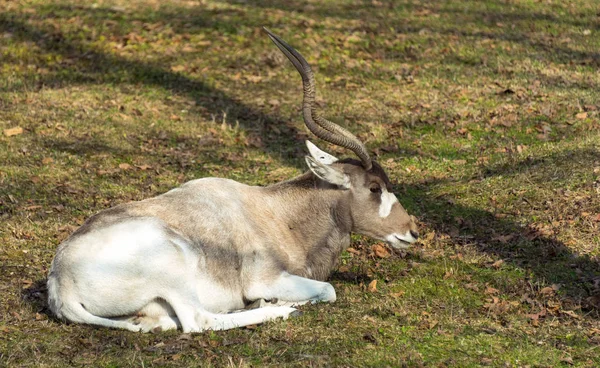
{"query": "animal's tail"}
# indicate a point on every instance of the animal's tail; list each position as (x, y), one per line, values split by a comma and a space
(70, 309)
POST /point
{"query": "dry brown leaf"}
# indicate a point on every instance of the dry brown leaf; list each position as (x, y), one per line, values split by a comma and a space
(490, 290)
(397, 294)
(536, 316)
(124, 166)
(581, 115)
(571, 314)
(47, 160)
(472, 286)
(372, 286)
(381, 251)
(353, 251)
(143, 167)
(498, 264)
(547, 291)
(432, 324)
(13, 131)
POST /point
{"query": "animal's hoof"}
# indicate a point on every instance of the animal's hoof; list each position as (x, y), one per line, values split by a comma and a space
(296, 313)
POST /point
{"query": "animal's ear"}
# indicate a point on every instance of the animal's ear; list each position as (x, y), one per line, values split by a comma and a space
(320, 155)
(328, 173)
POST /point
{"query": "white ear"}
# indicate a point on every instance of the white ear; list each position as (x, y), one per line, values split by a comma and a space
(328, 173)
(319, 155)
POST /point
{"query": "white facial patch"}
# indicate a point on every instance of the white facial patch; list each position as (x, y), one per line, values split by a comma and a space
(387, 202)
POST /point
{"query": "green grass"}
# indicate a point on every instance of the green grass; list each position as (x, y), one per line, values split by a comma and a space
(485, 114)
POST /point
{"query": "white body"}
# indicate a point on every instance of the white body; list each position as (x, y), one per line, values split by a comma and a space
(190, 256)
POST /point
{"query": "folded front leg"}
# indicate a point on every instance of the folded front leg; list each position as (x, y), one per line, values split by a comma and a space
(290, 288)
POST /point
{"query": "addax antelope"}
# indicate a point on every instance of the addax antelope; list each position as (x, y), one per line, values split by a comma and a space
(192, 258)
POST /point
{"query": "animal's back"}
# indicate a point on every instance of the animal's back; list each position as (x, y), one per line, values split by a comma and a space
(106, 259)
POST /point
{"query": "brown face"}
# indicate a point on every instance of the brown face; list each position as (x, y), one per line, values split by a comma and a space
(375, 209)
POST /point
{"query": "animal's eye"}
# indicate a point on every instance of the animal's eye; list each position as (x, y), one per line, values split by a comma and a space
(375, 188)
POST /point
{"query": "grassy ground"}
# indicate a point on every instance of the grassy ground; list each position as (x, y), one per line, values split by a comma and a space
(485, 113)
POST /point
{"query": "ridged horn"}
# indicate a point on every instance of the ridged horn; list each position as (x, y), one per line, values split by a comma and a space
(319, 126)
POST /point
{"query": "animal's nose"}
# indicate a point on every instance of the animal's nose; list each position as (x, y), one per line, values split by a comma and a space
(414, 234)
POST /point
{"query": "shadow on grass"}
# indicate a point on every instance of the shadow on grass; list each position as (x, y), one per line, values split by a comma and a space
(415, 18)
(97, 67)
(549, 259)
(523, 245)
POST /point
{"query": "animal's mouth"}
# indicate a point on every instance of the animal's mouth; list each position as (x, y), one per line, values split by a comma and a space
(399, 241)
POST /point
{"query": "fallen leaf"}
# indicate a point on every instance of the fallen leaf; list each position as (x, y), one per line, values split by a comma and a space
(344, 268)
(143, 167)
(397, 294)
(490, 290)
(547, 291)
(47, 160)
(486, 361)
(581, 115)
(498, 264)
(27, 282)
(13, 131)
(536, 316)
(571, 314)
(380, 251)
(432, 324)
(372, 286)
(353, 251)
(568, 360)
(124, 166)
(472, 286)
(185, 336)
